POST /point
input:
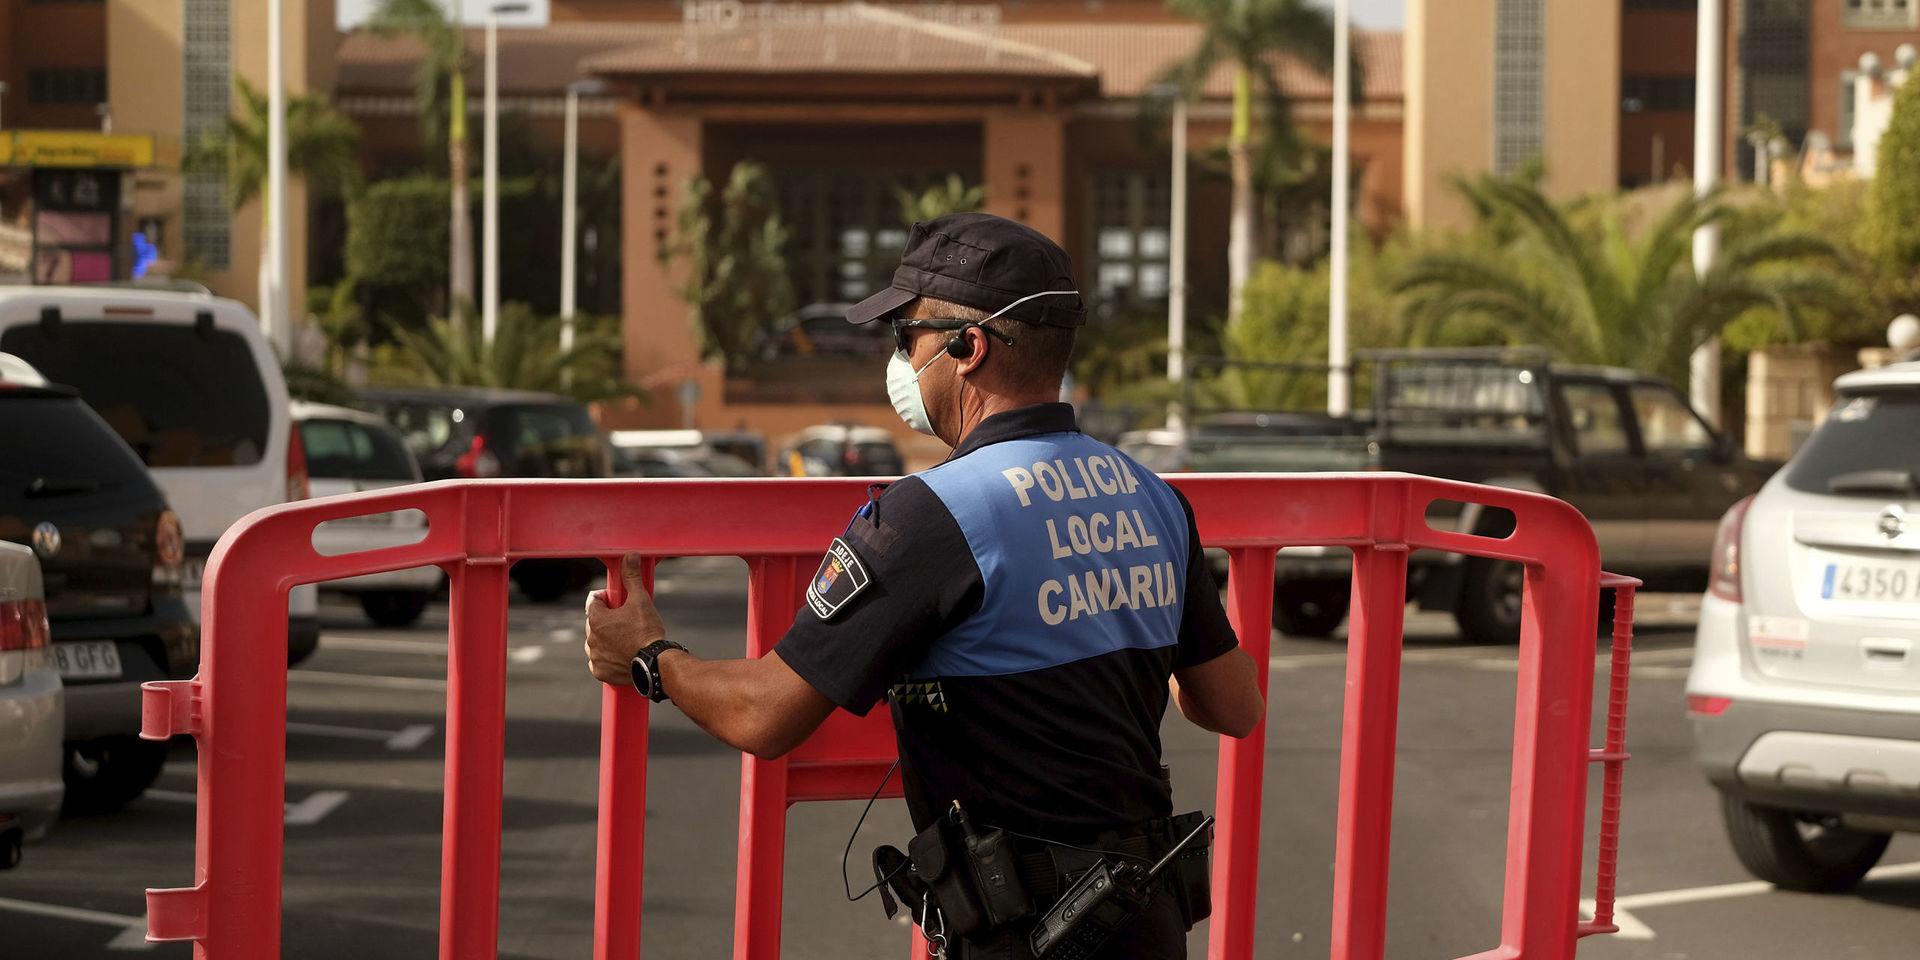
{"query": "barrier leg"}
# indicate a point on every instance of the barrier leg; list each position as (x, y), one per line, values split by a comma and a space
(476, 727)
(620, 845)
(1236, 867)
(773, 594)
(1546, 821)
(1368, 732)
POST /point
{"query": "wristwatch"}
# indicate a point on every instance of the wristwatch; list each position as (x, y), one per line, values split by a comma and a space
(646, 670)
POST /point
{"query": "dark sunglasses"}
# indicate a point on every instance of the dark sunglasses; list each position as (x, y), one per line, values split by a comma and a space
(900, 328)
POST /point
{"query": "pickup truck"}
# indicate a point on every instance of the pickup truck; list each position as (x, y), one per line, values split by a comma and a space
(1622, 446)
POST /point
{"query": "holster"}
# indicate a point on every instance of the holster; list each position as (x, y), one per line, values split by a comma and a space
(1193, 871)
(968, 875)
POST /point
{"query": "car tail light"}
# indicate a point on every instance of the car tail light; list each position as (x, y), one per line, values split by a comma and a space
(478, 462)
(1708, 706)
(169, 549)
(1724, 564)
(296, 465)
(23, 625)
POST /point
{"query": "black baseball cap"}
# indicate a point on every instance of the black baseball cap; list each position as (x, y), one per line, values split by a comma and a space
(985, 262)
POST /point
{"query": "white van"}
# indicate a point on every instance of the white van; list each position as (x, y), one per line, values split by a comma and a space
(190, 382)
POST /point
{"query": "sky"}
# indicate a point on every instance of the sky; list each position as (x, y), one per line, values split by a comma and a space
(1389, 14)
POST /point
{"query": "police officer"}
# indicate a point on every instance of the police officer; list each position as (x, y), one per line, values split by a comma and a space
(1022, 606)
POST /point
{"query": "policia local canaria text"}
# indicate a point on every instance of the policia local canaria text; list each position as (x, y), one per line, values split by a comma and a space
(1093, 592)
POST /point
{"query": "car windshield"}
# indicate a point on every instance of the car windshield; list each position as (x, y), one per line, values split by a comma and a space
(427, 428)
(53, 446)
(178, 396)
(344, 450)
(1869, 434)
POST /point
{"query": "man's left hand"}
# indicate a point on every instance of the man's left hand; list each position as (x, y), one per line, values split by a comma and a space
(616, 634)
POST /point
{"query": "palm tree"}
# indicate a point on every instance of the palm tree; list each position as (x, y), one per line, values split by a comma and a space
(1592, 293)
(443, 68)
(322, 147)
(951, 196)
(525, 354)
(1251, 36)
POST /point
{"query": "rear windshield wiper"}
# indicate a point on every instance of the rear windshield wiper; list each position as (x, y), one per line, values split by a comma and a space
(1897, 482)
(43, 487)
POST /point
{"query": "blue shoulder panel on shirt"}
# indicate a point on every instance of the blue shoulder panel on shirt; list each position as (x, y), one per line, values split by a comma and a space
(1081, 550)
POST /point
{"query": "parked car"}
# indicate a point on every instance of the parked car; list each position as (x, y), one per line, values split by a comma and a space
(841, 450)
(1622, 446)
(671, 453)
(352, 451)
(191, 384)
(1804, 693)
(822, 330)
(32, 708)
(480, 433)
(110, 557)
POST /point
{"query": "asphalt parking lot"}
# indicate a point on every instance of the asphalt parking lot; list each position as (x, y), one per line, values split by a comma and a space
(364, 806)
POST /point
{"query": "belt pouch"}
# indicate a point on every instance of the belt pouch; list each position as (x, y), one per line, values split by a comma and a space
(940, 865)
(992, 861)
(1193, 871)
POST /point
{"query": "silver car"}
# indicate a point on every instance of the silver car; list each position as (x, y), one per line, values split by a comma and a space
(32, 711)
(1805, 687)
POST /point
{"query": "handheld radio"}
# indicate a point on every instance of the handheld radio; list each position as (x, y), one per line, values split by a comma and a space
(1100, 903)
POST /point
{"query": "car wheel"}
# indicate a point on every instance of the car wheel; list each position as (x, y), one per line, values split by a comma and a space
(1489, 607)
(1310, 608)
(543, 582)
(1811, 853)
(106, 774)
(394, 608)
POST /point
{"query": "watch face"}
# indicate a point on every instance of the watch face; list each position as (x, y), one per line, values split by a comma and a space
(643, 680)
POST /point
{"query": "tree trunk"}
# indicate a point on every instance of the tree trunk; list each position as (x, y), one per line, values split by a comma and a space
(460, 226)
(1240, 245)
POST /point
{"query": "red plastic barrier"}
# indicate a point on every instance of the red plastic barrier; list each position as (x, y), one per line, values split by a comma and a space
(236, 706)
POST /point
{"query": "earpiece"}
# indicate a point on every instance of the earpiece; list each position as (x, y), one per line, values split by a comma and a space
(960, 348)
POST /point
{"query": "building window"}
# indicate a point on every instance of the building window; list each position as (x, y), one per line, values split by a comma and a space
(1775, 53)
(1880, 14)
(67, 85)
(845, 234)
(1640, 93)
(1131, 239)
(207, 71)
(1519, 112)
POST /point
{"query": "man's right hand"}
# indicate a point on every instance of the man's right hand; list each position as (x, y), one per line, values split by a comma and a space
(616, 634)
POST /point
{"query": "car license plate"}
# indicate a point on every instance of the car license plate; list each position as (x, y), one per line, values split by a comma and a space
(93, 660)
(1868, 582)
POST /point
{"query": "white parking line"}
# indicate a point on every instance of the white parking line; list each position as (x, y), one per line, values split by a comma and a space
(525, 655)
(323, 678)
(424, 648)
(133, 930)
(409, 737)
(306, 813)
(1632, 928)
(564, 635)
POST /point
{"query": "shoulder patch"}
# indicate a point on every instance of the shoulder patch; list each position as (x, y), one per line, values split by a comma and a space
(841, 578)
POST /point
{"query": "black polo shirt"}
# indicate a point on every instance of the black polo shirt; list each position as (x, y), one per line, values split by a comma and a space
(1071, 748)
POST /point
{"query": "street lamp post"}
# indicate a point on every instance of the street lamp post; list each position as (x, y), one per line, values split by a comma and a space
(490, 204)
(1703, 386)
(1177, 268)
(273, 306)
(569, 208)
(1339, 384)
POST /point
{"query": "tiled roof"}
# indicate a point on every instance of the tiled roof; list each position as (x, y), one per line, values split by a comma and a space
(1131, 56)
(863, 39)
(1125, 57)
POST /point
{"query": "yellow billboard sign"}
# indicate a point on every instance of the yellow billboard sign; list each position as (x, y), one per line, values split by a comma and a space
(75, 148)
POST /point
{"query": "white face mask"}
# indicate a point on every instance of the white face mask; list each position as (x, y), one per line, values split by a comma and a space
(903, 381)
(903, 388)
